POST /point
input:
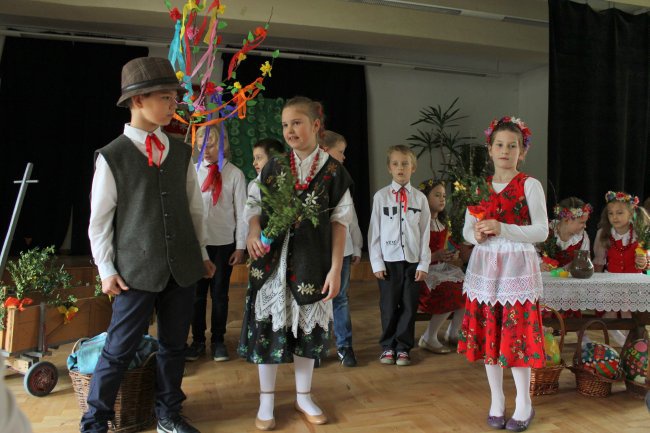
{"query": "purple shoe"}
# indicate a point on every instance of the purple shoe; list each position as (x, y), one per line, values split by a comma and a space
(497, 422)
(515, 425)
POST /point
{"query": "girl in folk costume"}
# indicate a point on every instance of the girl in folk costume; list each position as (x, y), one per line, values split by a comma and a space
(291, 283)
(502, 324)
(616, 238)
(566, 236)
(442, 291)
(616, 243)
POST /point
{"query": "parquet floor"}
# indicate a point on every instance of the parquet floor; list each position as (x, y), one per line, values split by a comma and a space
(438, 393)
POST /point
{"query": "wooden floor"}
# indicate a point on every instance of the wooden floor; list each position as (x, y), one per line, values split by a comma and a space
(438, 393)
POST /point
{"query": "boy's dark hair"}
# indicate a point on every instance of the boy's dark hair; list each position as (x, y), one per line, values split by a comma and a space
(270, 146)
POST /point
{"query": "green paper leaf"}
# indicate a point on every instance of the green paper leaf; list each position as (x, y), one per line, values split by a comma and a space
(212, 106)
(251, 103)
(234, 75)
(233, 91)
(168, 4)
(260, 86)
(222, 25)
(244, 41)
(251, 38)
(275, 54)
(222, 84)
(266, 26)
(195, 50)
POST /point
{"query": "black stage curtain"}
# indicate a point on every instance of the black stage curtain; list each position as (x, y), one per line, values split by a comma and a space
(341, 88)
(599, 103)
(57, 105)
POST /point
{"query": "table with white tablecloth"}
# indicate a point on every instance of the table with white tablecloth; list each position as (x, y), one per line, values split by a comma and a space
(602, 292)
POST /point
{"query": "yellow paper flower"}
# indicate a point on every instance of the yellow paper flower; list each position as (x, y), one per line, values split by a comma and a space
(179, 75)
(459, 186)
(241, 57)
(221, 9)
(68, 313)
(237, 85)
(266, 69)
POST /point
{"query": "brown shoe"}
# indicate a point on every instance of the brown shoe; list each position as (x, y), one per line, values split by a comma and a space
(312, 419)
(265, 425)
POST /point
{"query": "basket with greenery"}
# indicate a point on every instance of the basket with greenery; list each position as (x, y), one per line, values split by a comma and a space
(35, 274)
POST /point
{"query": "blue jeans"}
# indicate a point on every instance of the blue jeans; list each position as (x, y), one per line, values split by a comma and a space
(342, 321)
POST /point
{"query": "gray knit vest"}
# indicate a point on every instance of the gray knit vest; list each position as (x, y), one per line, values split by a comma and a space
(154, 234)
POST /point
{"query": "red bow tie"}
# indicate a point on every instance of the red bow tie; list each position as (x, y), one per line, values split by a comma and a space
(159, 145)
(401, 197)
(213, 181)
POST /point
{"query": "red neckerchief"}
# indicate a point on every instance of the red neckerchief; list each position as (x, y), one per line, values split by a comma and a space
(213, 181)
(159, 145)
(401, 197)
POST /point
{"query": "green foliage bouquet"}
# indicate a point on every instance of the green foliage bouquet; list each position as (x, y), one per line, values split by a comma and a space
(284, 206)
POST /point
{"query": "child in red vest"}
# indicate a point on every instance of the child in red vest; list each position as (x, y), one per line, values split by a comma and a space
(502, 325)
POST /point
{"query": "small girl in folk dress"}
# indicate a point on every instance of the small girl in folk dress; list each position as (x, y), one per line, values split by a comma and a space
(616, 242)
(567, 235)
(502, 325)
(442, 291)
(288, 312)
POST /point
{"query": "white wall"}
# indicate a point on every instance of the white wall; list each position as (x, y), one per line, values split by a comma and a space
(533, 109)
(396, 96)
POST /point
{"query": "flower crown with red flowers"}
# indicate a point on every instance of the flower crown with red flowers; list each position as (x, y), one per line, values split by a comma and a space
(623, 197)
(525, 132)
(572, 212)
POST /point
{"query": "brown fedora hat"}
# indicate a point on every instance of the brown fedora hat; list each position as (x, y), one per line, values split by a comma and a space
(147, 74)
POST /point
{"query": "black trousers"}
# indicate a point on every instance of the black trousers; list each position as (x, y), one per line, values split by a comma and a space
(398, 302)
(132, 310)
(219, 286)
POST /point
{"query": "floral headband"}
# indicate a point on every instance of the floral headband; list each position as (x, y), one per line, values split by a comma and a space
(572, 212)
(623, 197)
(427, 185)
(525, 132)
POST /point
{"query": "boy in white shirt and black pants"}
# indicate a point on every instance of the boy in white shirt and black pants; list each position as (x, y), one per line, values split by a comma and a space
(224, 197)
(398, 241)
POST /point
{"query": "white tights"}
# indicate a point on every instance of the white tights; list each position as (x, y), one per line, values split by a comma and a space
(521, 376)
(304, 368)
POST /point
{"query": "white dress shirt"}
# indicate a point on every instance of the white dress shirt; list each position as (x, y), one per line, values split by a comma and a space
(103, 202)
(341, 214)
(353, 237)
(395, 236)
(224, 222)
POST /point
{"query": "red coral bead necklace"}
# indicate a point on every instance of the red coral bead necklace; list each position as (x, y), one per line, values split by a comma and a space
(303, 186)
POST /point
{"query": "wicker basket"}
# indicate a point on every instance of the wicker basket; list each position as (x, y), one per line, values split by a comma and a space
(589, 383)
(546, 380)
(134, 405)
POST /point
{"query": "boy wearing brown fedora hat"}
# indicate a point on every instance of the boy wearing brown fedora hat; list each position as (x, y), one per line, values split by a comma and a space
(147, 237)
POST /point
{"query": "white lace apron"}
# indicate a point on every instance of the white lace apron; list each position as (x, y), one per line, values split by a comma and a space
(443, 272)
(500, 271)
(276, 301)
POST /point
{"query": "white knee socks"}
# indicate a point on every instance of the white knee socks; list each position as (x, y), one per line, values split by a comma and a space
(267, 374)
(431, 333)
(455, 324)
(521, 375)
(495, 379)
(304, 367)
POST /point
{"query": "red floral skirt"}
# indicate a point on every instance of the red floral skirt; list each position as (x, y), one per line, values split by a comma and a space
(507, 335)
(446, 297)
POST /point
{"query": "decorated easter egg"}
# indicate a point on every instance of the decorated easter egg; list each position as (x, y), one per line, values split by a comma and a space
(634, 359)
(602, 359)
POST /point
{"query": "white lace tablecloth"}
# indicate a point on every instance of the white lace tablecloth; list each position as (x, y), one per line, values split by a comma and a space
(603, 291)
